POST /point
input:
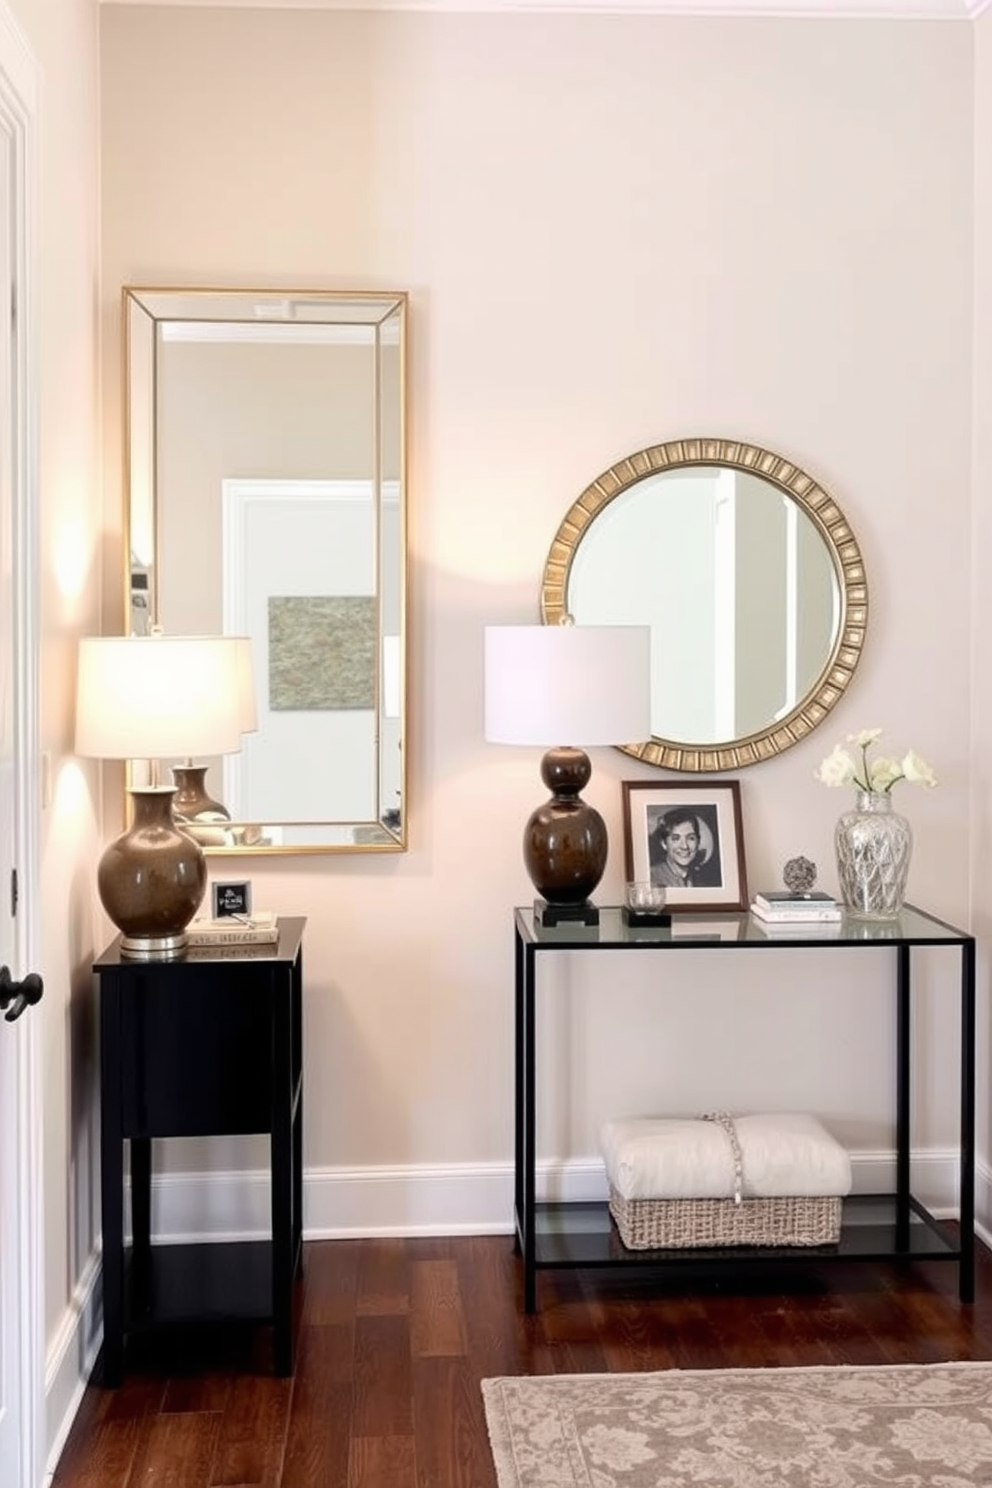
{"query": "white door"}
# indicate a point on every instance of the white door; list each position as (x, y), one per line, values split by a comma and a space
(10, 1403)
(10, 1320)
(21, 1383)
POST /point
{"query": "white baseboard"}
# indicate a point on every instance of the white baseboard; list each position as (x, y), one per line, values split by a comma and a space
(426, 1199)
(70, 1359)
(459, 1199)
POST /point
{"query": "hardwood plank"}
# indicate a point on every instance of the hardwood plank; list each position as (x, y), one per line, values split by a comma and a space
(176, 1452)
(451, 1437)
(692, 1338)
(635, 1337)
(188, 1392)
(331, 1281)
(319, 1426)
(381, 1462)
(774, 1335)
(382, 1378)
(138, 1396)
(252, 1435)
(434, 1247)
(569, 1327)
(383, 1284)
(437, 1326)
(99, 1454)
(500, 1337)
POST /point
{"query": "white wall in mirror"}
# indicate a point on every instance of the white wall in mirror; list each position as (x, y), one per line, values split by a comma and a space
(303, 540)
(736, 583)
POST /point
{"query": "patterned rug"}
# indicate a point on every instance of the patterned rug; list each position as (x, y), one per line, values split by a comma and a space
(901, 1426)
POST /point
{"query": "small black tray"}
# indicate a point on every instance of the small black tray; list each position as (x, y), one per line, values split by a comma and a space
(549, 915)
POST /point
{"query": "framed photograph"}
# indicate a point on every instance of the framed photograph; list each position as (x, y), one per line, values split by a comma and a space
(689, 838)
(231, 899)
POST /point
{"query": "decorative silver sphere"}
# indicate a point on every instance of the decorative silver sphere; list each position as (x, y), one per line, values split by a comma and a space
(799, 875)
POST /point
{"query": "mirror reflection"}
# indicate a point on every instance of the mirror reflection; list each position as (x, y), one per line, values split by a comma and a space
(266, 497)
(750, 579)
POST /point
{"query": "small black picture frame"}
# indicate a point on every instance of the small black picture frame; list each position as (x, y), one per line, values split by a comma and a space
(230, 898)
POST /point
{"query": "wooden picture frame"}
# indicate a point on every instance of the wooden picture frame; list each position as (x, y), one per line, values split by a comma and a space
(688, 837)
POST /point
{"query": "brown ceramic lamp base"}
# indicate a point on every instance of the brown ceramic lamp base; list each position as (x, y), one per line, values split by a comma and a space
(192, 801)
(152, 879)
(565, 842)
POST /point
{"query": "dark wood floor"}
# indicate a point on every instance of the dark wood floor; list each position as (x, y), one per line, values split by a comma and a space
(395, 1336)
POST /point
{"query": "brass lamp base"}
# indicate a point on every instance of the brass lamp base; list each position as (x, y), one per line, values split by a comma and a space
(152, 878)
(153, 947)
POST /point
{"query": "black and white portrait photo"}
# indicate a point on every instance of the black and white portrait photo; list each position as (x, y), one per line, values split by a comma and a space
(689, 839)
(684, 846)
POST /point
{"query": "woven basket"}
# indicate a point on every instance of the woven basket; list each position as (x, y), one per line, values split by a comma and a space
(680, 1224)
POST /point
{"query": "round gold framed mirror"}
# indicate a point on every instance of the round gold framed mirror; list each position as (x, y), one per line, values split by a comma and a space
(750, 577)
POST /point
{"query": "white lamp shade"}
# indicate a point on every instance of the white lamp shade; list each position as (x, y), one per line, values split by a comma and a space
(576, 685)
(149, 697)
(247, 716)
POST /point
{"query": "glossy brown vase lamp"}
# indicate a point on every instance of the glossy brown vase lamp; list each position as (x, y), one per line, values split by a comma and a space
(150, 698)
(587, 684)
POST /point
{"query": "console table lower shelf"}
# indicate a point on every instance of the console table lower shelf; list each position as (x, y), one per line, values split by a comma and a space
(872, 1229)
(176, 1285)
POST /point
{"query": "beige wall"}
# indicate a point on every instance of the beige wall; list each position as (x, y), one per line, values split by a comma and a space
(236, 411)
(615, 231)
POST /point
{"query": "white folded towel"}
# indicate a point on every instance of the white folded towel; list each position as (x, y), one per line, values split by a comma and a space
(788, 1155)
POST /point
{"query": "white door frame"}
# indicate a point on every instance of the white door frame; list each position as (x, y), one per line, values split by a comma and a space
(19, 91)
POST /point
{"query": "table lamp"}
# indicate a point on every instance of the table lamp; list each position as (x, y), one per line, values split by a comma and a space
(151, 697)
(566, 687)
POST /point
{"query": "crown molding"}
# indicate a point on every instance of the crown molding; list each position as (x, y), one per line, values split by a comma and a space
(868, 10)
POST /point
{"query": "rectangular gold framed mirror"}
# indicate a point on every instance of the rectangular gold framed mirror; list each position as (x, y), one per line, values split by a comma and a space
(265, 473)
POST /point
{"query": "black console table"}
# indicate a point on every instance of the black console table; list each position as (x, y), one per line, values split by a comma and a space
(893, 1226)
(208, 1044)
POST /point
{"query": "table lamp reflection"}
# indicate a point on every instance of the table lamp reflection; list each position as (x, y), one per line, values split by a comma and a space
(193, 805)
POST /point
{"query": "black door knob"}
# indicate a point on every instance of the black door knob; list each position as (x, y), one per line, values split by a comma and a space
(16, 996)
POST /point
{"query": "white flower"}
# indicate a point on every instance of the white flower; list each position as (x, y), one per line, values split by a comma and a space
(865, 738)
(877, 775)
(837, 768)
(884, 773)
(916, 769)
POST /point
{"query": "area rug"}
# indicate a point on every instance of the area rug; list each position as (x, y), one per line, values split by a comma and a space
(901, 1426)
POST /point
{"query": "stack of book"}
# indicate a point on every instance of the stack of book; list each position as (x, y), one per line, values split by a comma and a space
(230, 930)
(781, 910)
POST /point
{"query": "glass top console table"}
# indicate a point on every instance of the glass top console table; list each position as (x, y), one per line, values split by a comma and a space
(892, 1226)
